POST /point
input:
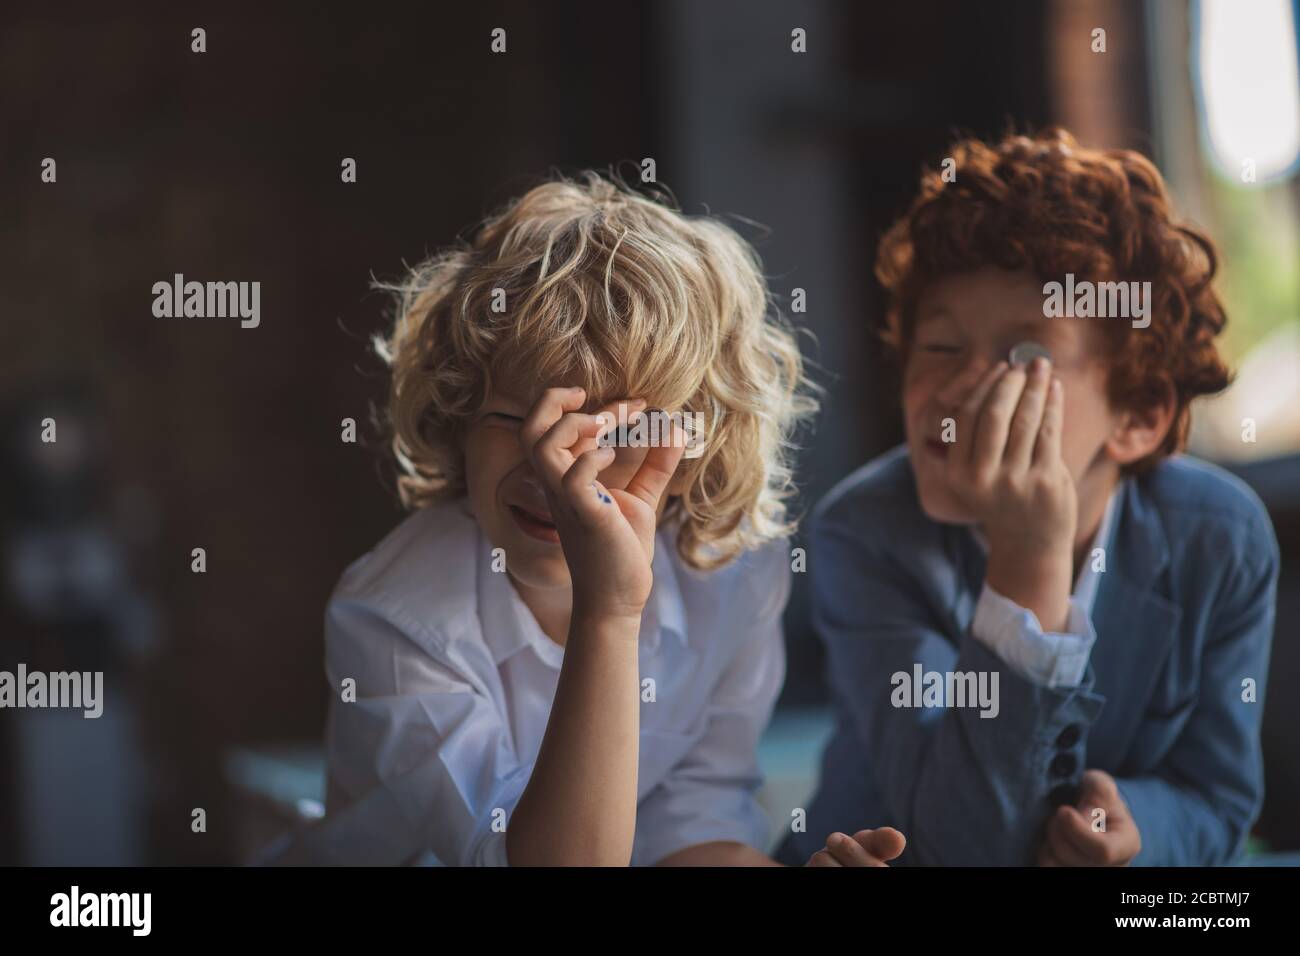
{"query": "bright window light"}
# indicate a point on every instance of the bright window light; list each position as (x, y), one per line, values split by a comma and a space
(1250, 85)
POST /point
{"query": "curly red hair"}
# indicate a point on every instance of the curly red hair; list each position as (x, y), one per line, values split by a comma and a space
(1045, 204)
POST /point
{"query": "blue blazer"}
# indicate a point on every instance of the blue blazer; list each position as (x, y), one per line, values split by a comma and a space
(1184, 619)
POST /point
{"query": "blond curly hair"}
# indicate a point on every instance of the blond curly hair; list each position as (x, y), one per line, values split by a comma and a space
(623, 294)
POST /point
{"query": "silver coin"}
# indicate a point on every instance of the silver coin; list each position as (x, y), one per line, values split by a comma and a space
(1025, 352)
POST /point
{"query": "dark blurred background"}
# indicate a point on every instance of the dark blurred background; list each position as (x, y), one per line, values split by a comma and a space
(178, 434)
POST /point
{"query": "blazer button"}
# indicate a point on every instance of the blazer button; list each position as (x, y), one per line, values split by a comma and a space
(1068, 738)
(1063, 765)
(1059, 796)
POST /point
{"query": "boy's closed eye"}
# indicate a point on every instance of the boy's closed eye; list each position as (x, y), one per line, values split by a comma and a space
(503, 419)
(940, 348)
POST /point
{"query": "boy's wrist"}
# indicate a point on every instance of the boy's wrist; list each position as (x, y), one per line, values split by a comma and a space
(1038, 581)
(596, 617)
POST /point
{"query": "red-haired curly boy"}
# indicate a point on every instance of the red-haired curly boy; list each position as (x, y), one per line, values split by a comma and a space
(1048, 632)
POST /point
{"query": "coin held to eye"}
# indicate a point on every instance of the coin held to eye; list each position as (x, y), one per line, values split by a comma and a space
(1022, 353)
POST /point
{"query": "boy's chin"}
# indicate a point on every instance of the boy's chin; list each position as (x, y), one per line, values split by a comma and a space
(541, 572)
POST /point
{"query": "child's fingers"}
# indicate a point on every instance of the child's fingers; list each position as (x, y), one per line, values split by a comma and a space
(1058, 846)
(969, 410)
(1048, 447)
(993, 422)
(553, 455)
(848, 852)
(970, 405)
(823, 858)
(1097, 788)
(1077, 840)
(617, 413)
(585, 496)
(1023, 432)
(657, 470)
(884, 843)
(547, 410)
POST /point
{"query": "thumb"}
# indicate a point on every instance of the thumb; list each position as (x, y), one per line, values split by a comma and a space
(884, 843)
(1098, 788)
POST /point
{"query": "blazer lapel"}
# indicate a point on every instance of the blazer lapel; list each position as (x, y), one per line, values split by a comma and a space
(1135, 624)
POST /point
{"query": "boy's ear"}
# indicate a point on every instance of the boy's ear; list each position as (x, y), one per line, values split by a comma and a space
(1139, 432)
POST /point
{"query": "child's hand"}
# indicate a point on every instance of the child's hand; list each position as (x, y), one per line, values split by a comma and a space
(608, 534)
(864, 848)
(1010, 475)
(1070, 839)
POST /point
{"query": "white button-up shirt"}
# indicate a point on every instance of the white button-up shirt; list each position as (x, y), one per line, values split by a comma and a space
(1051, 658)
(454, 681)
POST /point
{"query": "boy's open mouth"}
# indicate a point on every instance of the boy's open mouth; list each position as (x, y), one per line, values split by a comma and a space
(535, 525)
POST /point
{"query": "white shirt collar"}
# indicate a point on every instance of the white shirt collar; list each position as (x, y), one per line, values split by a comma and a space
(1085, 587)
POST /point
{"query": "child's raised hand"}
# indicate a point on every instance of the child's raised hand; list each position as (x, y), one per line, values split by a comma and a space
(1009, 468)
(1010, 474)
(864, 848)
(608, 534)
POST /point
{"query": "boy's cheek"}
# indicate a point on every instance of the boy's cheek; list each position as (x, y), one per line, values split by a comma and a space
(1085, 426)
(919, 390)
(912, 404)
(490, 454)
(483, 480)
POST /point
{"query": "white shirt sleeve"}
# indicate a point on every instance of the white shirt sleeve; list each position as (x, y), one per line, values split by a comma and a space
(711, 794)
(421, 761)
(1014, 634)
